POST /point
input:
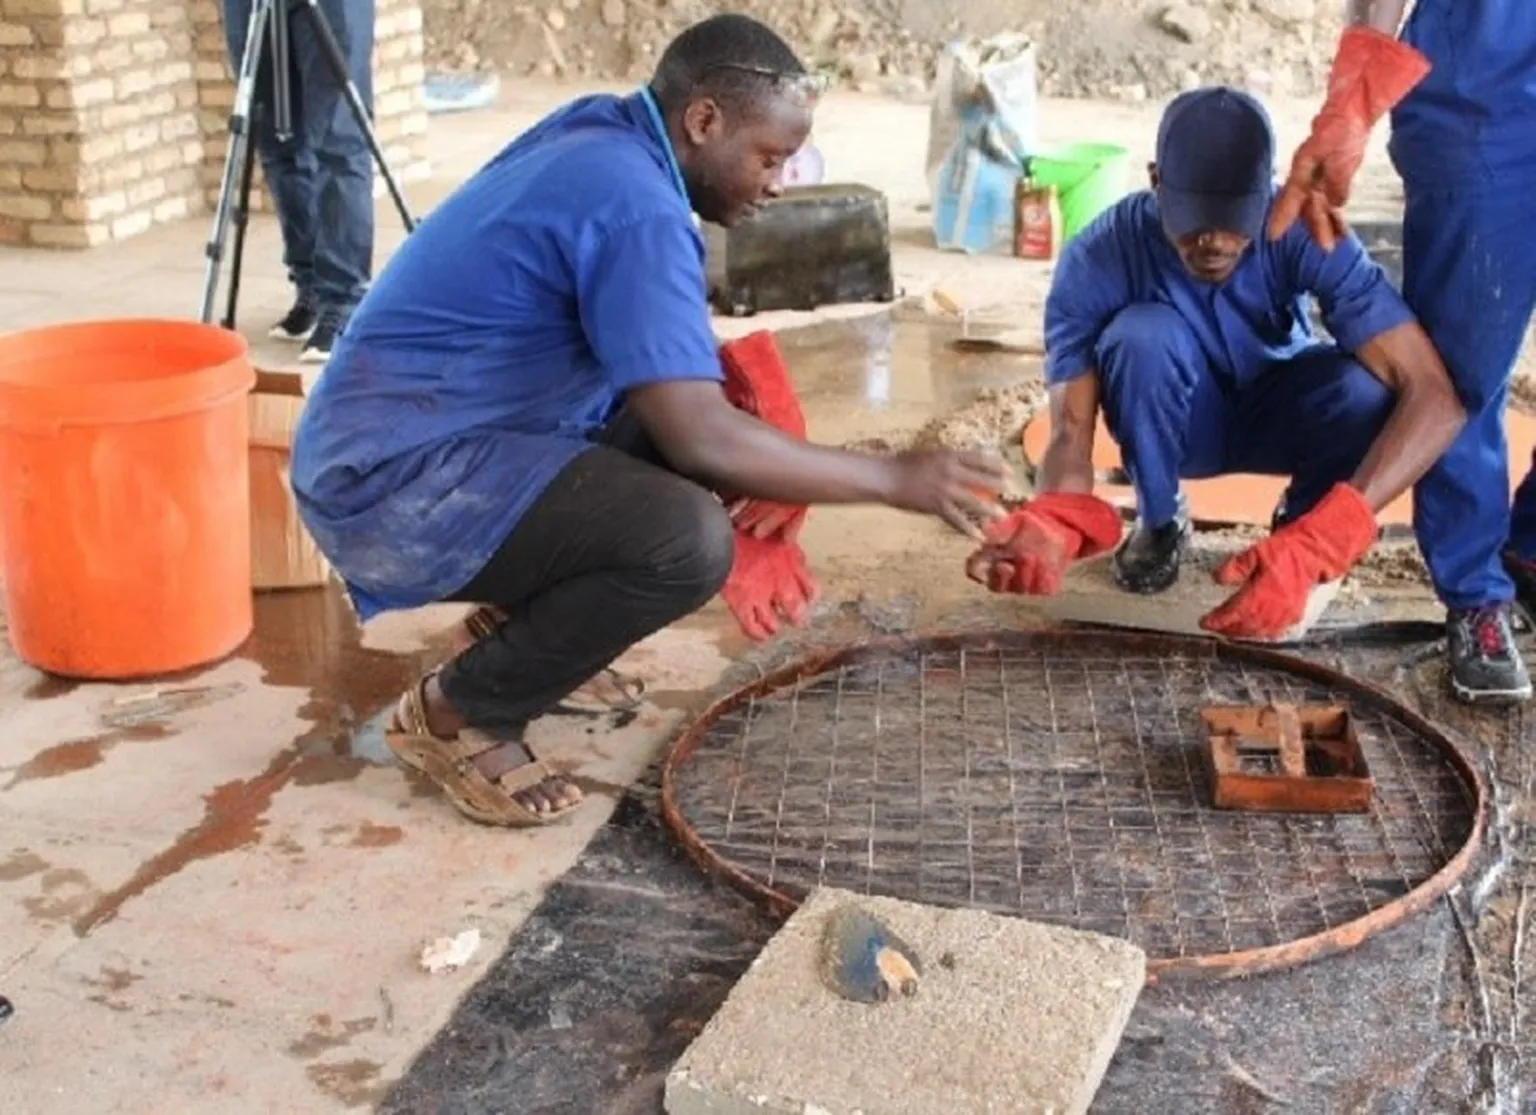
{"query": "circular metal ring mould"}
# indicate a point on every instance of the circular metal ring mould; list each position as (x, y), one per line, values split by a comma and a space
(1060, 776)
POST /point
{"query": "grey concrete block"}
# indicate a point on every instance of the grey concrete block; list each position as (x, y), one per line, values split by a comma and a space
(1023, 1020)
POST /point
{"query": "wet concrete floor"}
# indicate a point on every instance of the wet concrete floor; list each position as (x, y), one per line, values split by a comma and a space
(240, 821)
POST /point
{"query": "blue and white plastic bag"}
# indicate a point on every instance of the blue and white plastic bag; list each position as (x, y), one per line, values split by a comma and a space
(983, 126)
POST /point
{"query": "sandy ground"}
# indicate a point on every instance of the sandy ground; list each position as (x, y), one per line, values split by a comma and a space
(212, 898)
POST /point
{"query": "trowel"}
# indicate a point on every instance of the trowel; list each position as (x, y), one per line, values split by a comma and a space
(1016, 342)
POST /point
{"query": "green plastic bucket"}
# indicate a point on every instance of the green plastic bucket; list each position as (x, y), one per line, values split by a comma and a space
(1089, 178)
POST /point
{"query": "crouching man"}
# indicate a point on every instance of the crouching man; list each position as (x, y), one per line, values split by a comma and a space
(1174, 315)
(529, 411)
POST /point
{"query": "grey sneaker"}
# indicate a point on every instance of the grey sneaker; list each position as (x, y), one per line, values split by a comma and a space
(1485, 665)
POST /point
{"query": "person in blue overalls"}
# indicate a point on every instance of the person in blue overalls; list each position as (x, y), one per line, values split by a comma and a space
(527, 412)
(321, 177)
(1174, 315)
(1461, 87)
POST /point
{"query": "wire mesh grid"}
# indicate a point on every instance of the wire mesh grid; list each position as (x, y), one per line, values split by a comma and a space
(1064, 784)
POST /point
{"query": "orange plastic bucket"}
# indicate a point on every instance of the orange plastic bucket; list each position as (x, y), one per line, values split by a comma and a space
(125, 531)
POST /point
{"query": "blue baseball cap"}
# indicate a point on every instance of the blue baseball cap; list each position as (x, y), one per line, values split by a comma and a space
(1215, 163)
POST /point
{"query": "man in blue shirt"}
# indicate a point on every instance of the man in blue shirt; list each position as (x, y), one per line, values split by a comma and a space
(1461, 85)
(1172, 314)
(526, 410)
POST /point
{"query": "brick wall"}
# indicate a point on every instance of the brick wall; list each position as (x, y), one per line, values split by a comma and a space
(36, 112)
(113, 113)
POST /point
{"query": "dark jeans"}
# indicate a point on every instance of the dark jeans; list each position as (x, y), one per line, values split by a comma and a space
(321, 179)
(616, 548)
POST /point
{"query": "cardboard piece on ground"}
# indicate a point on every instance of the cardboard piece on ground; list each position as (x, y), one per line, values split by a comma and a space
(1009, 1015)
(1244, 498)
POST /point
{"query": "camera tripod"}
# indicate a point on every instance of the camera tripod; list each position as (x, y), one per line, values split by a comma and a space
(268, 27)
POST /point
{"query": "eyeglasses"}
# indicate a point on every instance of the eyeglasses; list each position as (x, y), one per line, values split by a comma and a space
(809, 86)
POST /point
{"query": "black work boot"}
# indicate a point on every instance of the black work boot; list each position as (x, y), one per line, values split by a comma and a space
(1148, 562)
(1485, 664)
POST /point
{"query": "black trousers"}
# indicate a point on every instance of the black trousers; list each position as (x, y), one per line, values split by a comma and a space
(616, 548)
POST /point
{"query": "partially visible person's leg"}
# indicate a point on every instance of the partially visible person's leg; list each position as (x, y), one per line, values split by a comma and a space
(1471, 279)
(615, 549)
(289, 169)
(343, 191)
(1313, 419)
(1167, 413)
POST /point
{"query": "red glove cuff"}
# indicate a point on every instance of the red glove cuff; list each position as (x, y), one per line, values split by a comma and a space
(1342, 527)
(1372, 72)
(757, 381)
(1089, 525)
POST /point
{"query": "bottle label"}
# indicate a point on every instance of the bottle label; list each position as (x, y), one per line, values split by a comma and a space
(1037, 222)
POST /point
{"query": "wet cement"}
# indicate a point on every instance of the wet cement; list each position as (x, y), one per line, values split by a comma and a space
(631, 953)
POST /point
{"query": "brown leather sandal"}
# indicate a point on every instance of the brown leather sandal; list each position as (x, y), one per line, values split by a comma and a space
(487, 797)
(607, 691)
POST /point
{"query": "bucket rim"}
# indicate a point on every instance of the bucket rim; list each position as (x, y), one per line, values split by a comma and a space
(43, 407)
(240, 345)
(1079, 153)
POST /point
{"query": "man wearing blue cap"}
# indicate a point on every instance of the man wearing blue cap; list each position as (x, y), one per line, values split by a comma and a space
(1175, 314)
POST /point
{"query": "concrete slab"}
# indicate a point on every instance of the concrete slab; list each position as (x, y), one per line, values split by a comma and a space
(1011, 1016)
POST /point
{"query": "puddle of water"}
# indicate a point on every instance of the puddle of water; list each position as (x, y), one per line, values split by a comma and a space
(306, 639)
(367, 743)
(877, 375)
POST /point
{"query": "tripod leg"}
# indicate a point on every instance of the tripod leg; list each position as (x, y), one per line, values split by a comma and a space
(235, 156)
(242, 220)
(338, 66)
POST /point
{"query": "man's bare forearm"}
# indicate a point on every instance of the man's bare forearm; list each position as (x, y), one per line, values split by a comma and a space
(1417, 433)
(1068, 462)
(1385, 16)
(1067, 466)
(1424, 421)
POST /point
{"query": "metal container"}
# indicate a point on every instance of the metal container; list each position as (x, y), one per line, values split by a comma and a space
(814, 246)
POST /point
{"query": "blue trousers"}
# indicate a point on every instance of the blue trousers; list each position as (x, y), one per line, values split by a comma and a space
(1469, 273)
(321, 179)
(1311, 418)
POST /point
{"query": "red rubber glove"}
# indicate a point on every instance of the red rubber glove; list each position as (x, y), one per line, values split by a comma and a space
(1371, 73)
(1278, 573)
(768, 580)
(758, 383)
(1029, 550)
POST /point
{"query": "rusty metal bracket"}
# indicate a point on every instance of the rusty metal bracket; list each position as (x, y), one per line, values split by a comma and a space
(1280, 758)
